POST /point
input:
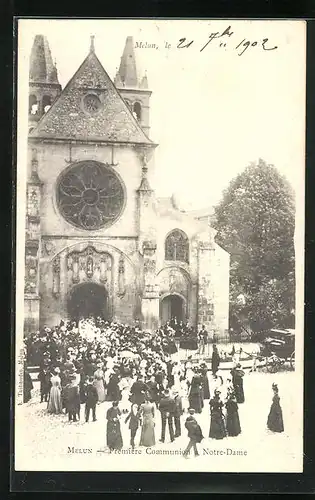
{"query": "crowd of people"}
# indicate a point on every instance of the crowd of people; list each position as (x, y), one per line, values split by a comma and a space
(96, 361)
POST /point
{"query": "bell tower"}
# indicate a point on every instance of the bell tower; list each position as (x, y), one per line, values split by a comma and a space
(44, 86)
(133, 89)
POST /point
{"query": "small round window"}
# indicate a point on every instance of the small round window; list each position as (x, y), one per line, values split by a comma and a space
(91, 103)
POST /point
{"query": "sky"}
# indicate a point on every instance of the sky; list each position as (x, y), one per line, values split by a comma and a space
(213, 111)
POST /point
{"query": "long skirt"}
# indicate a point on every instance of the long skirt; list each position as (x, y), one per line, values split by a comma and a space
(275, 419)
(147, 432)
(195, 402)
(217, 427)
(113, 435)
(206, 389)
(113, 392)
(99, 386)
(239, 392)
(233, 426)
(125, 404)
(54, 402)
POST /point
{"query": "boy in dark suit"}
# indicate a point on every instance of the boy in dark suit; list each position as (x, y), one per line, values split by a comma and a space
(167, 409)
(178, 411)
(194, 433)
(134, 417)
(90, 400)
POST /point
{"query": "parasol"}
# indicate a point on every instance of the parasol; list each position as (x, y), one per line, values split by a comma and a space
(127, 354)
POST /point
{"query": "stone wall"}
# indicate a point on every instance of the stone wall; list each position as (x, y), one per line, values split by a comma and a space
(121, 281)
(55, 158)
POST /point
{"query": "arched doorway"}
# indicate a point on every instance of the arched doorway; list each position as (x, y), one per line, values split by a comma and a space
(88, 300)
(171, 307)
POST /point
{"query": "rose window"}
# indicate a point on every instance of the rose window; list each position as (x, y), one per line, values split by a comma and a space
(91, 103)
(90, 195)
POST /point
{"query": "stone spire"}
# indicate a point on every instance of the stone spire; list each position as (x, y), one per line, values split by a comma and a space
(92, 46)
(117, 80)
(127, 69)
(42, 68)
(144, 82)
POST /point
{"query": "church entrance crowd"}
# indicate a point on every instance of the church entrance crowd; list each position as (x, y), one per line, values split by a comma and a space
(84, 365)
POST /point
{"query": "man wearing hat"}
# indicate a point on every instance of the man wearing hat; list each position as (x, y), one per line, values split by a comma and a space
(194, 433)
(167, 409)
(72, 397)
(203, 338)
(44, 378)
(178, 411)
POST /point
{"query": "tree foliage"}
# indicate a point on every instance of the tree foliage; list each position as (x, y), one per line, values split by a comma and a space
(255, 223)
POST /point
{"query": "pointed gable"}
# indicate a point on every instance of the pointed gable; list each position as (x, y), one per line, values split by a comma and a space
(91, 108)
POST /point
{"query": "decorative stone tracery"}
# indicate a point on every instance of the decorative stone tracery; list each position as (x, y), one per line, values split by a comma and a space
(89, 264)
(173, 280)
(90, 195)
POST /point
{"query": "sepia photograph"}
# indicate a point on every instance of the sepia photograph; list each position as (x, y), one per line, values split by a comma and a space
(160, 245)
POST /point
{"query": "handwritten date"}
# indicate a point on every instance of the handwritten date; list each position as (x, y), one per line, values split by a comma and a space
(226, 39)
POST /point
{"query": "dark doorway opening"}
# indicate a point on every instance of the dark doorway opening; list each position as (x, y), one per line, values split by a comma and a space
(171, 307)
(88, 300)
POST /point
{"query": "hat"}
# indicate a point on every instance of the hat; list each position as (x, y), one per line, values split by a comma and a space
(191, 411)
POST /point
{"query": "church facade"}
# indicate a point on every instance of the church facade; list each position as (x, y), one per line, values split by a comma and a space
(98, 239)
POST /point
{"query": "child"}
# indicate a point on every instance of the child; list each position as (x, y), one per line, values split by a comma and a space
(72, 398)
(194, 433)
(91, 399)
(134, 422)
(45, 384)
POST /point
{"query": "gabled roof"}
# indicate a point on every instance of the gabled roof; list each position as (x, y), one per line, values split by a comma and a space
(68, 119)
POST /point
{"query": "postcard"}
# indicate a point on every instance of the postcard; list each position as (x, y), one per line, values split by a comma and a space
(160, 245)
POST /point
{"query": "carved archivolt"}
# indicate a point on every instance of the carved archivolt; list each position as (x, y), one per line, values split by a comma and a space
(173, 280)
(89, 264)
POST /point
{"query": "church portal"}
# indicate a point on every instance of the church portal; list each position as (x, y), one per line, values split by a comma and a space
(88, 300)
(171, 307)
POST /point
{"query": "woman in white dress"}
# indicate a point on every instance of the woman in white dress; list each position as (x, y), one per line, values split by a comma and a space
(184, 390)
(189, 372)
(177, 373)
(99, 383)
(124, 387)
(54, 402)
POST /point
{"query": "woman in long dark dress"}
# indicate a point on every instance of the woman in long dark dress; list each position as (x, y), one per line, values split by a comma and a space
(205, 381)
(113, 432)
(217, 426)
(215, 360)
(237, 381)
(275, 419)
(195, 394)
(113, 391)
(233, 426)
